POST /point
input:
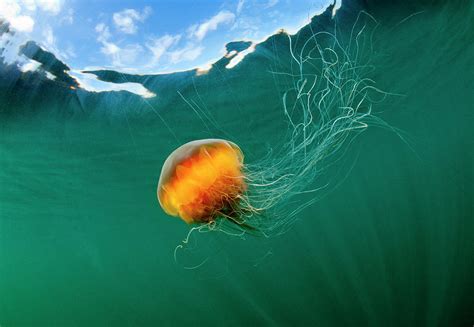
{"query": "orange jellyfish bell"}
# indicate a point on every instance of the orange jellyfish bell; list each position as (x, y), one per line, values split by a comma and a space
(202, 180)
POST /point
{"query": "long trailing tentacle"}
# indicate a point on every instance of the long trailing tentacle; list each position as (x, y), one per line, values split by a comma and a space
(328, 102)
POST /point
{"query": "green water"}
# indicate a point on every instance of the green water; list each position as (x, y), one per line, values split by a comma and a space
(83, 241)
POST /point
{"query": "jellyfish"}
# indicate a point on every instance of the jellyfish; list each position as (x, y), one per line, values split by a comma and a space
(203, 180)
(327, 102)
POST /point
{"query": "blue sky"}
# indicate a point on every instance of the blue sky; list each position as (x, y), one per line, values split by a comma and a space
(150, 36)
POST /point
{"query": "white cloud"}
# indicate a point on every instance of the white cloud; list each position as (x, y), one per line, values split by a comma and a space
(20, 13)
(128, 55)
(271, 3)
(164, 48)
(187, 53)
(200, 31)
(121, 56)
(240, 5)
(51, 6)
(125, 20)
(70, 51)
(9, 8)
(112, 51)
(108, 48)
(22, 23)
(48, 36)
(159, 46)
(29, 4)
(103, 32)
(11, 11)
(67, 18)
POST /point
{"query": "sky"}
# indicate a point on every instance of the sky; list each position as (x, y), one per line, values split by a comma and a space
(139, 36)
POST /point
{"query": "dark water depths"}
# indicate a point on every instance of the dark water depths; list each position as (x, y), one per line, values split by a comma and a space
(83, 241)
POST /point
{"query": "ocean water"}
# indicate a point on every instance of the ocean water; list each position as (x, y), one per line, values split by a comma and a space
(84, 242)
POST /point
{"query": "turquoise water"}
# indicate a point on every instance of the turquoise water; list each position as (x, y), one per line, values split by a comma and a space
(83, 240)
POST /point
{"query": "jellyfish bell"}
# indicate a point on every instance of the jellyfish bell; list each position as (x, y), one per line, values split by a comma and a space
(202, 180)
